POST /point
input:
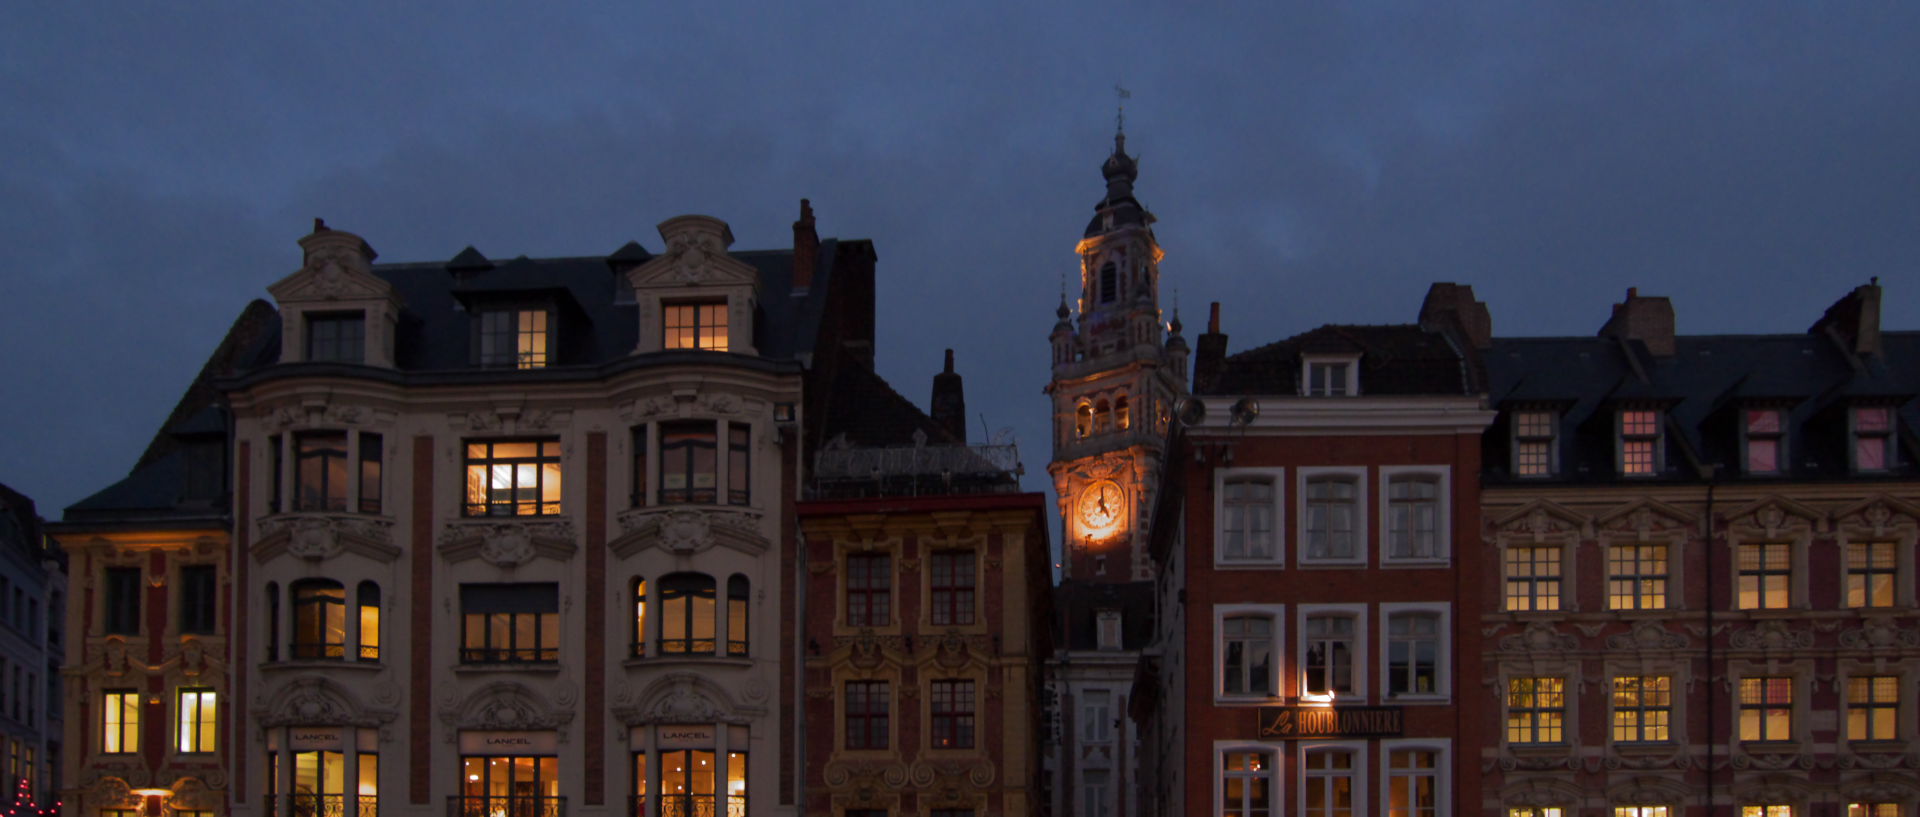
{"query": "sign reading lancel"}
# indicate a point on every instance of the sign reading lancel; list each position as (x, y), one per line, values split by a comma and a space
(1291, 722)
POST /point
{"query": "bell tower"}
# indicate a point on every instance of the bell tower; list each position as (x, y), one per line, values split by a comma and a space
(1116, 377)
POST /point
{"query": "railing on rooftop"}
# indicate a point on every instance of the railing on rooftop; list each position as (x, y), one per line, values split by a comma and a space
(841, 471)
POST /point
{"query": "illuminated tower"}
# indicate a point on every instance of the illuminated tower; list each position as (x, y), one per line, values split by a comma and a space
(1113, 388)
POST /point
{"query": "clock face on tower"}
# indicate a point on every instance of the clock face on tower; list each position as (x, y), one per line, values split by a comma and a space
(1101, 505)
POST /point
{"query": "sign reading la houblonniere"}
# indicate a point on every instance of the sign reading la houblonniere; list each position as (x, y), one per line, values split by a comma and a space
(1289, 722)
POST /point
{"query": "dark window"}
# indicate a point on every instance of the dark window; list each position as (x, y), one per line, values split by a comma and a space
(687, 614)
(515, 338)
(510, 623)
(687, 463)
(869, 589)
(369, 602)
(276, 461)
(319, 619)
(273, 621)
(122, 585)
(953, 714)
(320, 471)
(739, 465)
(339, 337)
(513, 478)
(737, 594)
(370, 473)
(197, 599)
(953, 584)
(867, 705)
(639, 496)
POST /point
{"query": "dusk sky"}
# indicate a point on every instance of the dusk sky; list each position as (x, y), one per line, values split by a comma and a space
(1309, 163)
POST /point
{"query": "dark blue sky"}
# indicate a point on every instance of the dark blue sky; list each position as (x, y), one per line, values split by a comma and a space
(1309, 163)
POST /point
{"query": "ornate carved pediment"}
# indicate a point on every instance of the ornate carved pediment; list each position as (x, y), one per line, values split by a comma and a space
(681, 697)
(696, 253)
(112, 792)
(193, 794)
(510, 420)
(1542, 792)
(314, 701)
(951, 781)
(866, 784)
(507, 543)
(1880, 787)
(317, 537)
(1775, 515)
(1646, 518)
(866, 651)
(1647, 635)
(506, 705)
(1540, 520)
(1772, 788)
(1650, 789)
(1539, 636)
(334, 271)
(688, 530)
(1109, 466)
(1773, 634)
(1879, 633)
(1880, 514)
(194, 662)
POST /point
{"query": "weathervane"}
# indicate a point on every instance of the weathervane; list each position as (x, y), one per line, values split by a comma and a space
(1120, 118)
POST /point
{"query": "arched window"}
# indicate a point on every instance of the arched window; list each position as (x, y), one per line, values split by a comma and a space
(319, 619)
(369, 598)
(686, 614)
(640, 617)
(1121, 416)
(737, 615)
(1083, 420)
(1102, 417)
(273, 621)
(1109, 282)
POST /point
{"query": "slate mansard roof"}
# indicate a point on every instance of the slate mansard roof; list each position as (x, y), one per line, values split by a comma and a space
(1395, 359)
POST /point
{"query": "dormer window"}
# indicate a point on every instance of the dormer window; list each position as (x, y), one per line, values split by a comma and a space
(337, 337)
(516, 338)
(1534, 452)
(1331, 378)
(1764, 440)
(1872, 432)
(696, 325)
(1639, 438)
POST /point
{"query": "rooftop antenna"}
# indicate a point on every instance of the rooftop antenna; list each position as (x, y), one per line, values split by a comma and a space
(1120, 118)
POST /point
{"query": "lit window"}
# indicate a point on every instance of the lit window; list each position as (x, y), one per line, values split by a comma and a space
(1246, 789)
(687, 614)
(1122, 414)
(369, 603)
(1871, 567)
(1329, 379)
(320, 471)
(1765, 568)
(319, 619)
(689, 463)
(1533, 578)
(1766, 441)
(1873, 810)
(1640, 811)
(518, 478)
(1246, 526)
(1083, 420)
(736, 783)
(1332, 507)
(737, 596)
(1873, 707)
(1247, 658)
(121, 719)
(639, 649)
(515, 338)
(869, 589)
(337, 337)
(1543, 811)
(1642, 708)
(1413, 517)
(1640, 442)
(1775, 810)
(1413, 783)
(1636, 577)
(197, 709)
(528, 785)
(867, 705)
(1329, 645)
(1536, 710)
(1533, 443)
(1096, 716)
(509, 623)
(952, 703)
(1329, 781)
(1872, 438)
(1413, 653)
(700, 325)
(1766, 709)
(953, 585)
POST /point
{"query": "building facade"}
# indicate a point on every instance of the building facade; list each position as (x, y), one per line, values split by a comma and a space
(33, 589)
(1699, 573)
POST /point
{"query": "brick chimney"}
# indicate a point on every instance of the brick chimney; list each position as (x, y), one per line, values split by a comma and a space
(1855, 319)
(1647, 319)
(806, 248)
(1452, 307)
(949, 403)
(1210, 353)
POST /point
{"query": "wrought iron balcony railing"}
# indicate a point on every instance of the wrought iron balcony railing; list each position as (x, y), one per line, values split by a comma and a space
(686, 805)
(506, 806)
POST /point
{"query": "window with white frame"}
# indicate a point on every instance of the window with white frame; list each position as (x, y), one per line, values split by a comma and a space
(1096, 716)
(1096, 795)
(1414, 781)
(1416, 646)
(1331, 377)
(1764, 435)
(1872, 430)
(1329, 782)
(1415, 513)
(1639, 442)
(1246, 642)
(1331, 528)
(1246, 783)
(1249, 508)
(1330, 654)
(1534, 453)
